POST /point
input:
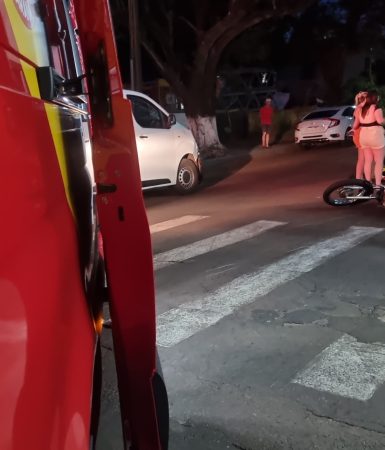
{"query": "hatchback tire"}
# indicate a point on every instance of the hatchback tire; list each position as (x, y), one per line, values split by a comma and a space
(187, 178)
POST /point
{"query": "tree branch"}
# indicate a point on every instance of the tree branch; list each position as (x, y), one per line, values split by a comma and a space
(232, 5)
(154, 56)
(224, 31)
(201, 10)
(163, 39)
(242, 14)
(190, 25)
(168, 72)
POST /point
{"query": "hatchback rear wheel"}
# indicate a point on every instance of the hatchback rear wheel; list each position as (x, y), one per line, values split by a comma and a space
(187, 177)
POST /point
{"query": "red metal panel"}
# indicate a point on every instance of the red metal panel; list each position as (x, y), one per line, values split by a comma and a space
(11, 73)
(46, 333)
(124, 226)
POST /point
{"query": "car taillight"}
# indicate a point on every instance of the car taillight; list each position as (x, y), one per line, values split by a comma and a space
(333, 123)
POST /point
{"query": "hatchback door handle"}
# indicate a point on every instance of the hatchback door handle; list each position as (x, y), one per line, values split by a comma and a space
(143, 137)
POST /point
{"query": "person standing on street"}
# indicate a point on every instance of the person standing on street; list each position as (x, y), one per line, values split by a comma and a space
(266, 116)
(359, 99)
(370, 119)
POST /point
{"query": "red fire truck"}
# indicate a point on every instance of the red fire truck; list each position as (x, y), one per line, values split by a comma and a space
(59, 83)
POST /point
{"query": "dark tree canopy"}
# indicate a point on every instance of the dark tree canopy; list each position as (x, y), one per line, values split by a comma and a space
(321, 40)
(335, 30)
(186, 39)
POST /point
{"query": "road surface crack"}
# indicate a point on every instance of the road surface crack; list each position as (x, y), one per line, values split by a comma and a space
(170, 261)
(107, 347)
(239, 447)
(325, 416)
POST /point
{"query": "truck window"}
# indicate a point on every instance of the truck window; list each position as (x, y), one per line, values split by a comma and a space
(65, 56)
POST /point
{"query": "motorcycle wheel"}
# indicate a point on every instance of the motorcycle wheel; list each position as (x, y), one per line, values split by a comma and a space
(337, 194)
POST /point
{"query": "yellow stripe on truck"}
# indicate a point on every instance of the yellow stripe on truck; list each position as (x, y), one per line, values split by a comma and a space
(57, 136)
(26, 45)
(31, 79)
(29, 45)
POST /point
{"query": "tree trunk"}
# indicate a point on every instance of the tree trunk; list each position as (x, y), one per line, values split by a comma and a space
(199, 99)
(195, 79)
(200, 104)
(205, 131)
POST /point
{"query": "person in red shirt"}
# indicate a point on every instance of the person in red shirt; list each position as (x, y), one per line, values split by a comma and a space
(266, 116)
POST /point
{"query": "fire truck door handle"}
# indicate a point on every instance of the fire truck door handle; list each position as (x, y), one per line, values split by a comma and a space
(106, 188)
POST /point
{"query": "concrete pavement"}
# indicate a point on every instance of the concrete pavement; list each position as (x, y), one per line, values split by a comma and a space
(280, 334)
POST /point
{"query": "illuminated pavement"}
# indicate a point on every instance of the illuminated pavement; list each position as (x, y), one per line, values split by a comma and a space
(271, 307)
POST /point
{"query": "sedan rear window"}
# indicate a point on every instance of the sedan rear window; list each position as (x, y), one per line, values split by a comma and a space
(321, 114)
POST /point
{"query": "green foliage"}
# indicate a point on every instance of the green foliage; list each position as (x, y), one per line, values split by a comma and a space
(353, 86)
(282, 123)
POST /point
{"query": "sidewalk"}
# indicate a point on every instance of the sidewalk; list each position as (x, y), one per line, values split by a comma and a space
(235, 151)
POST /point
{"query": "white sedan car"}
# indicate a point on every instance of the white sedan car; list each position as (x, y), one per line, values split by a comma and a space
(167, 151)
(331, 124)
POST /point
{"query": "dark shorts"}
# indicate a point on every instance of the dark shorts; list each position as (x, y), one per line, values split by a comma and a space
(266, 128)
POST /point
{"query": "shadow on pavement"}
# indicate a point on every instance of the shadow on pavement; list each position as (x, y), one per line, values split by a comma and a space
(214, 171)
(218, 169)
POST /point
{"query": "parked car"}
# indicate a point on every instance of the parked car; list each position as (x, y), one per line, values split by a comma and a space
(328, 124)
(167, 151)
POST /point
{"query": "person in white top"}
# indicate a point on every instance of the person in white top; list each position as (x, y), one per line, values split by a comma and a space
(370, 119)
(359, 98)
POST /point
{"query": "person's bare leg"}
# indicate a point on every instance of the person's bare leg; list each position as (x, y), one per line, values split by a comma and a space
(264, 139)
(267, 139)
(378, 154)
(368, 155)
(360, 164)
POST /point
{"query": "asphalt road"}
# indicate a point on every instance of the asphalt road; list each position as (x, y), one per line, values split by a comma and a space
(271, 307)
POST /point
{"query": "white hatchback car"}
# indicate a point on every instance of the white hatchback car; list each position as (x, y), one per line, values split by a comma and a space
(325, 125)
(167, 151)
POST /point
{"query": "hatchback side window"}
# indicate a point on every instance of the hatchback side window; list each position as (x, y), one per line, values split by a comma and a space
(146, 114)
(348, 112)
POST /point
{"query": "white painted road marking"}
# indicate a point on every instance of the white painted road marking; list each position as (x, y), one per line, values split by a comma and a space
(179, 221)
(180, 323)
(346, 368)
(213, 243)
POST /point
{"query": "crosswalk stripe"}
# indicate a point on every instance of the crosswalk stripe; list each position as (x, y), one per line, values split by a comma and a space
(212, 243)
(188, 319)
(179, 221)
(347, 368)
